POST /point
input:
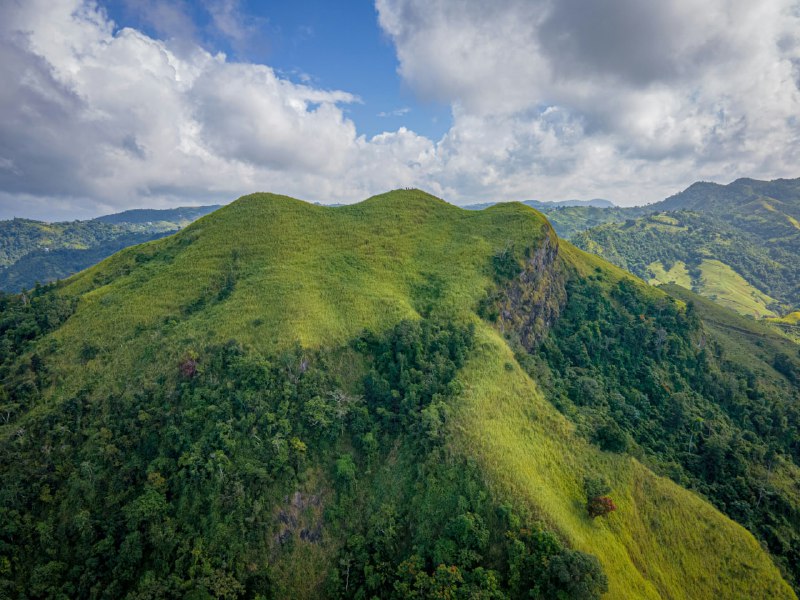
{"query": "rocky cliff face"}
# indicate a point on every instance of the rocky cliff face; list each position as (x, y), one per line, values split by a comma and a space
(530, 303)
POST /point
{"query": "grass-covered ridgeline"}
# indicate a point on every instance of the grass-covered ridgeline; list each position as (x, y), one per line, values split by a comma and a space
(270, 270)
(287, 400)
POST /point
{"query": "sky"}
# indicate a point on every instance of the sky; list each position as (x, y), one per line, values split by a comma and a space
(124, 104)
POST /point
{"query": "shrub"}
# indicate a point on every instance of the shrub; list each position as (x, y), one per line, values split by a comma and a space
(600, 506)
(595, 487)
(576, 575)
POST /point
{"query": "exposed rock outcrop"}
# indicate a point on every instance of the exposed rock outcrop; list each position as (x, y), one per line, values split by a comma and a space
(530, 303)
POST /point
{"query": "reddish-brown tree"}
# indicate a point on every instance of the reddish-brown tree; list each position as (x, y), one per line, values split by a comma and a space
(600, 506)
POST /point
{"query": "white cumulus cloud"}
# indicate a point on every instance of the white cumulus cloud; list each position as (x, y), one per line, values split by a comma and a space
(549, 99)
(98, 119)
(619, 98)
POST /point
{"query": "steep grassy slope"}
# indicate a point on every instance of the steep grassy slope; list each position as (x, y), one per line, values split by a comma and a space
(656, 546)
(718, 282)
(139, 398)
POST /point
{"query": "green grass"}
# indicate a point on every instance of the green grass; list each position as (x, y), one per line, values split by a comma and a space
(663, 541)
(318, 276)
(304, 273)
(790, 319)
(720, 282)
(677, 274)
(788, 324)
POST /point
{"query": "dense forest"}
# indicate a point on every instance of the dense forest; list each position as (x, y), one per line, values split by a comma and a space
(169, 495)
(644, 378)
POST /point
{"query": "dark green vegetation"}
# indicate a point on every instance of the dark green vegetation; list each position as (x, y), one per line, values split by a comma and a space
(171, 496)
(34, 251)
(702, 395)
(42, 266)
(285, 400)
(738, 244)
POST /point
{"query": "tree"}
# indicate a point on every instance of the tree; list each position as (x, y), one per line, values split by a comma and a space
(598, 504)
(577, 576)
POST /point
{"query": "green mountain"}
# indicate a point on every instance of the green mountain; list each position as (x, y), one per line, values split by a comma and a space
(569, 217)
(35, 251)
(568, 221)
(543, 205)
(397, 398)
(737, 244)
(180, 216)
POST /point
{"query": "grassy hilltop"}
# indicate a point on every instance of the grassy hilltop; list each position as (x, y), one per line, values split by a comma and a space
(291, 400)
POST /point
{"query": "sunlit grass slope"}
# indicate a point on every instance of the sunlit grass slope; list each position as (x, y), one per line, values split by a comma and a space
(271, 271)
(719, 282)
(790, 325)
(663, 542)
(676, 274)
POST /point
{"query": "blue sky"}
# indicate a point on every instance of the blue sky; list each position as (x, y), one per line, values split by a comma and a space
(333, 45)
(122, 104)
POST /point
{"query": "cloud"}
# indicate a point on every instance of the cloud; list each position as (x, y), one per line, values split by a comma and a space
(398, 112)
(548, 98)
(170, 20)
(229, 20)
(608, 96)
(98, 118)
(248, 114)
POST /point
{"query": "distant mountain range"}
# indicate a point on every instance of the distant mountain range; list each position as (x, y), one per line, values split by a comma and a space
(36, 251)
(548, 204)
(180, 216)
(738, 244)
